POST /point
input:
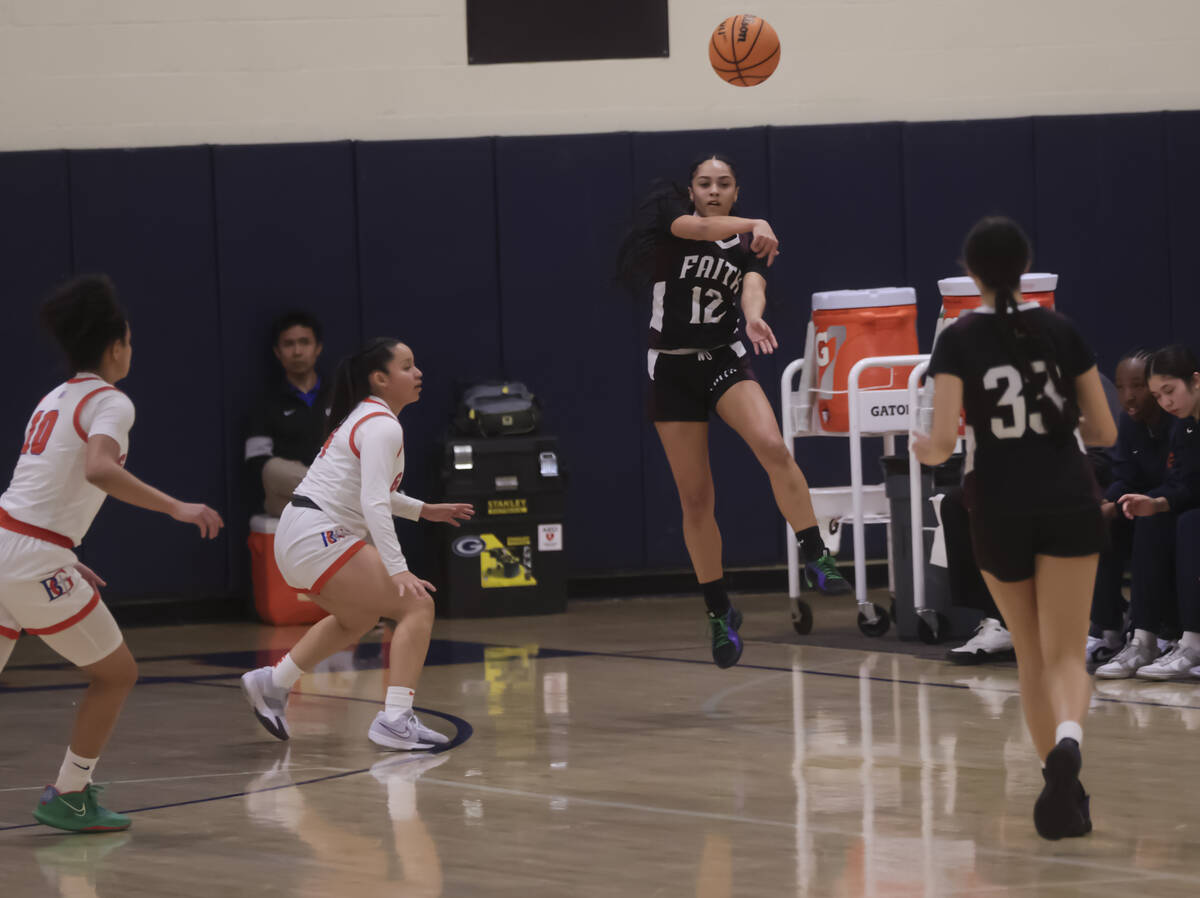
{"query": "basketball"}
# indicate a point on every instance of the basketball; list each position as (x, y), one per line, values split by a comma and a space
(744, 50)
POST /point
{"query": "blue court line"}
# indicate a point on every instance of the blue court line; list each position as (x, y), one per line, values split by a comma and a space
(463, 732)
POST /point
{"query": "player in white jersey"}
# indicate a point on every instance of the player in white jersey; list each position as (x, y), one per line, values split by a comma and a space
(336, 541)
(72, 457)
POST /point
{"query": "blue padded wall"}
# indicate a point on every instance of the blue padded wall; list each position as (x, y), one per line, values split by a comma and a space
(286, 238)
(954, 174)
(750, 522)
(570, 332)
(145, 218)
(35, 254)
(1183, 197)
(428, 277)
(1102, 225)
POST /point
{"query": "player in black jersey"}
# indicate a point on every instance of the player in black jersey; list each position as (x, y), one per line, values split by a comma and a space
(1030, 389)
(706, 266)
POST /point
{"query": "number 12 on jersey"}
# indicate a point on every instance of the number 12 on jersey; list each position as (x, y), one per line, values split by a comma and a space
(709, 317)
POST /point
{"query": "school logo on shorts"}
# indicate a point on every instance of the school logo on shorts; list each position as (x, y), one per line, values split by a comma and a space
(331, 537)
(59, 584)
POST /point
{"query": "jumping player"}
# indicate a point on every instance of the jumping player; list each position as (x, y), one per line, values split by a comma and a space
(707, 265)
(1025, 378)
(73, 456)
(336, 541)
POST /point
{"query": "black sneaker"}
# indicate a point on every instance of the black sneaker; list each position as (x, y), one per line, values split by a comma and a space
(1061, 811)
(823, 575)
(726, 643)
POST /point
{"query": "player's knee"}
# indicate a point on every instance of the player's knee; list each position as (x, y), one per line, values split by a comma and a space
(698, 501)
(773, 452)
(118, 671)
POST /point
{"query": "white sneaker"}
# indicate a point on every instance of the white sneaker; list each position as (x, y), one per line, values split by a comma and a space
(1126, 662)
(406, 768)
(1102, 649)
(405, 733)
(267, 701)
(991, 642)
(1176, 664)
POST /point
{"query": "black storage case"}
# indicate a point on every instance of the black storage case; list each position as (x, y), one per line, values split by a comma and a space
(509, 558)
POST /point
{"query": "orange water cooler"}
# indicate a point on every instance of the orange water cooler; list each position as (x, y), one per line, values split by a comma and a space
(275, 601)
(960, 295)
(851, 325)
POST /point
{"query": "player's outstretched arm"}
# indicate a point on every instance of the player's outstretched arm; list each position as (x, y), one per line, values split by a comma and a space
(448, 513)
(717, 227)
(103, 469)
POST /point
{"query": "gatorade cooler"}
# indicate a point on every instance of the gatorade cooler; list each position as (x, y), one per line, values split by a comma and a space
(960, 295)
(275, 601)
(851, 325)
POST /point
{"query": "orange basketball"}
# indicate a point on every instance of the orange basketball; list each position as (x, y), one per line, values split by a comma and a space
(744, 50)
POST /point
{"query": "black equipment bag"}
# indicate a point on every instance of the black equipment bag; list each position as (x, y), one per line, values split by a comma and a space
(497, 409)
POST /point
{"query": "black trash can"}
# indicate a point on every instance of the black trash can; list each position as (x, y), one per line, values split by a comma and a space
(960, 621)
(509, 558)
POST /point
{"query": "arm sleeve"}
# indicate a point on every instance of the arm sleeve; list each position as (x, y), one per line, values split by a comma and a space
(1076, 356)
(405, 506)
(380, 442)
(753, 262)
(111, 414)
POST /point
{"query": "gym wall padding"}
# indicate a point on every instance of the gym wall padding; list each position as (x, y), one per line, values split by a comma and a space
(145, 218)
(1102, 225)
(493, 257)
(35, 253)
(286, 235)
(569, 331)
(427, 264)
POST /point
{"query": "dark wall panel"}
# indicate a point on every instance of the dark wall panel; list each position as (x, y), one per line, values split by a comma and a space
(145, 218)
(35, 254)
(428, 270)
(286, 238)
(570, 333)
(745, 508)
(954, 174)
(1183, 192)
(1102, 225)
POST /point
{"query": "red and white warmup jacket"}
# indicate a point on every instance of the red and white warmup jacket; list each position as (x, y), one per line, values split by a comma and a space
(355, 476)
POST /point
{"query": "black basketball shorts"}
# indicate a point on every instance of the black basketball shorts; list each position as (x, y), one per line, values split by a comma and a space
(1005, 544)
(687, 387)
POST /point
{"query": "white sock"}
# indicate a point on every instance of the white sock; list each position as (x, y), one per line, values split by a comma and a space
(75, 772)
(285, 674)
(1069, 729)
(399, 701)
(402, 799)
(1190, 640)
(1145, 637)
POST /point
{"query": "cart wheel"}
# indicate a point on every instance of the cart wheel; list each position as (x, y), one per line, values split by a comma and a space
(932, 635)
(878, 628)
(802, 617)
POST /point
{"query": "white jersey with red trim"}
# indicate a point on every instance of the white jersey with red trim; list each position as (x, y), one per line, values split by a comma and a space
(355, 476)
(49, 496)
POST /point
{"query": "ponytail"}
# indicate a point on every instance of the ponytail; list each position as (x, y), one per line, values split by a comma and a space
(352, 378)
(997, 252)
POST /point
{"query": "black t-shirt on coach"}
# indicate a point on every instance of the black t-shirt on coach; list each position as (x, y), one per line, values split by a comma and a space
(1013, 465)
(697, 287)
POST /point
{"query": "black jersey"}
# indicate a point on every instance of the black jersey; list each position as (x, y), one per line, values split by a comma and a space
(697, 288)
(1013, 464)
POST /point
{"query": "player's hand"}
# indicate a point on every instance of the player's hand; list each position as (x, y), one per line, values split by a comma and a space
(921, 445)
(1109, 510)
(409, 584)
(764, 243)
(202, 516)
(90, 576)
(448, 513)
(1135, 505)
(761, 336)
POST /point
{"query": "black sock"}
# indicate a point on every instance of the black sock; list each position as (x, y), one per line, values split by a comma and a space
(715, 597)
(811, 545)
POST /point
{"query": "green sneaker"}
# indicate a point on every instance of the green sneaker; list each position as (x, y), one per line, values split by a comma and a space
(78, 812)
(726, 643)
(823, 575)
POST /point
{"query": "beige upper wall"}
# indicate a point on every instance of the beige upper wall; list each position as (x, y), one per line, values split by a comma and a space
(100, 73)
